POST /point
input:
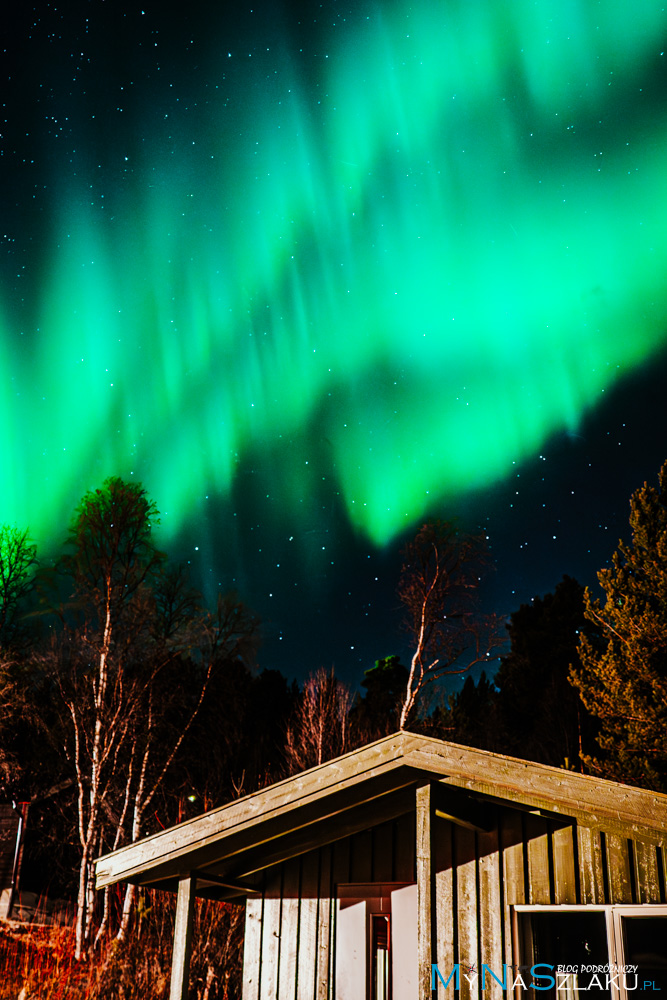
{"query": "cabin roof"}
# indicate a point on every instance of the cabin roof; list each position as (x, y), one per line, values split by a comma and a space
(228, 846)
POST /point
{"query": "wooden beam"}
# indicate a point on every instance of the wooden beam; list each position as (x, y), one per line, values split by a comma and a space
(224, 883)
(180, 962)
(235, 865)
(205, 842)
(379, 810)
(425, 900)
(540, 786)
(340, 783)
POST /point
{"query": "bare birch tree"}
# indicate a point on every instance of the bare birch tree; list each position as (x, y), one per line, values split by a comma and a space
(438, 588)
(204, 642)
(111, 557)
(133, 659)
(319, 729)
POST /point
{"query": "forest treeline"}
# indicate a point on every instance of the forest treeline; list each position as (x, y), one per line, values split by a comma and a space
(127, 704)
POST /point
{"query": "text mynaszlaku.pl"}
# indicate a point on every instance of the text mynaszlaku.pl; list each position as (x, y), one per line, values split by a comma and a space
(543, 976)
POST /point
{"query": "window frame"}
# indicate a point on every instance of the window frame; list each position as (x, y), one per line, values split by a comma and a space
(614, 914)
(377, 898)
(372, 989)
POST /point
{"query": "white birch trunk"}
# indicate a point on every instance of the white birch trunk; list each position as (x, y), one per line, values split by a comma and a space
(86, 894)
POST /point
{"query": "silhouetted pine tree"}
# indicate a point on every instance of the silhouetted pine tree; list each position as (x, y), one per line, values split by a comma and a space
(623, 674)
(540, 715)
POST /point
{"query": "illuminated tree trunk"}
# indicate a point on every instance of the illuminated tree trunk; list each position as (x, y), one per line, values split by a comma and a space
(438, 589)
(89, 828)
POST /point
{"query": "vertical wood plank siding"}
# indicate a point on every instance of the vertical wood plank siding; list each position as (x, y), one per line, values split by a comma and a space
(618, 866)
(537, 843)
(252, 947)
(268, 972)
(444, 897)
(465, 859)
(511, 833)
(425, 841)
(477, 875)
(290, 931)
(325, 951)
(591, 878)
(648, 882)
(565, 880)
(490, 916)
(306, 975)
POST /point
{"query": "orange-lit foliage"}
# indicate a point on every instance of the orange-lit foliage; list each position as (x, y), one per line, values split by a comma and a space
(38, 961)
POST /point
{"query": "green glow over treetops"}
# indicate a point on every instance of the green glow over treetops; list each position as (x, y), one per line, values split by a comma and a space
(437, 245)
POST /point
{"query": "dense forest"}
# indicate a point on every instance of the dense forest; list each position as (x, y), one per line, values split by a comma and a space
(127, 705)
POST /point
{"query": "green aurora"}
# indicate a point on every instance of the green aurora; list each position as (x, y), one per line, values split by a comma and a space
(434, 246)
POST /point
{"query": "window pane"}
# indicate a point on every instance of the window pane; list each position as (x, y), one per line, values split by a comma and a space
(380, 956)
(572, 940)
(645, 945)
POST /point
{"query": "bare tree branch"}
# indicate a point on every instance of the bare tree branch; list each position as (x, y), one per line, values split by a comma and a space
(438, 589)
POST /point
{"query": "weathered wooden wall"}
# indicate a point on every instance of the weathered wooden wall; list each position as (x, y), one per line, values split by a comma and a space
(524, 859)
(289, 952)
(529, 859)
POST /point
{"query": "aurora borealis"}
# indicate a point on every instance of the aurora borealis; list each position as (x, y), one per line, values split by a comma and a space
(326, 269)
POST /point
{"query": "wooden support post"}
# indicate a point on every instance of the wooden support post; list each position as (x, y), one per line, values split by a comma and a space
(180, 962)
(425, 881)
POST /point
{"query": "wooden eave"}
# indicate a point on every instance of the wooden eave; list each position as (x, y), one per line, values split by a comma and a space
(590, 801)
(318, 797)
(361, 789)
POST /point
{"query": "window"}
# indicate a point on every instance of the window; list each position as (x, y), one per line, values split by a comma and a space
(606, 951)
(380, 934)
(644, 940)
(376, 942)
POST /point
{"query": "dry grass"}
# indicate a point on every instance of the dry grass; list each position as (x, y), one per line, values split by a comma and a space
(38, 961)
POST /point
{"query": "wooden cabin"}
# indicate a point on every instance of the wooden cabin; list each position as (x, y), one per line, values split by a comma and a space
(413, 867)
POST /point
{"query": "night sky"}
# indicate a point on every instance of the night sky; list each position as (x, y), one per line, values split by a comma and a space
(314, 273)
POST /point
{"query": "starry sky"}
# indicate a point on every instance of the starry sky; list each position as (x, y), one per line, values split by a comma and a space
(316, 272)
